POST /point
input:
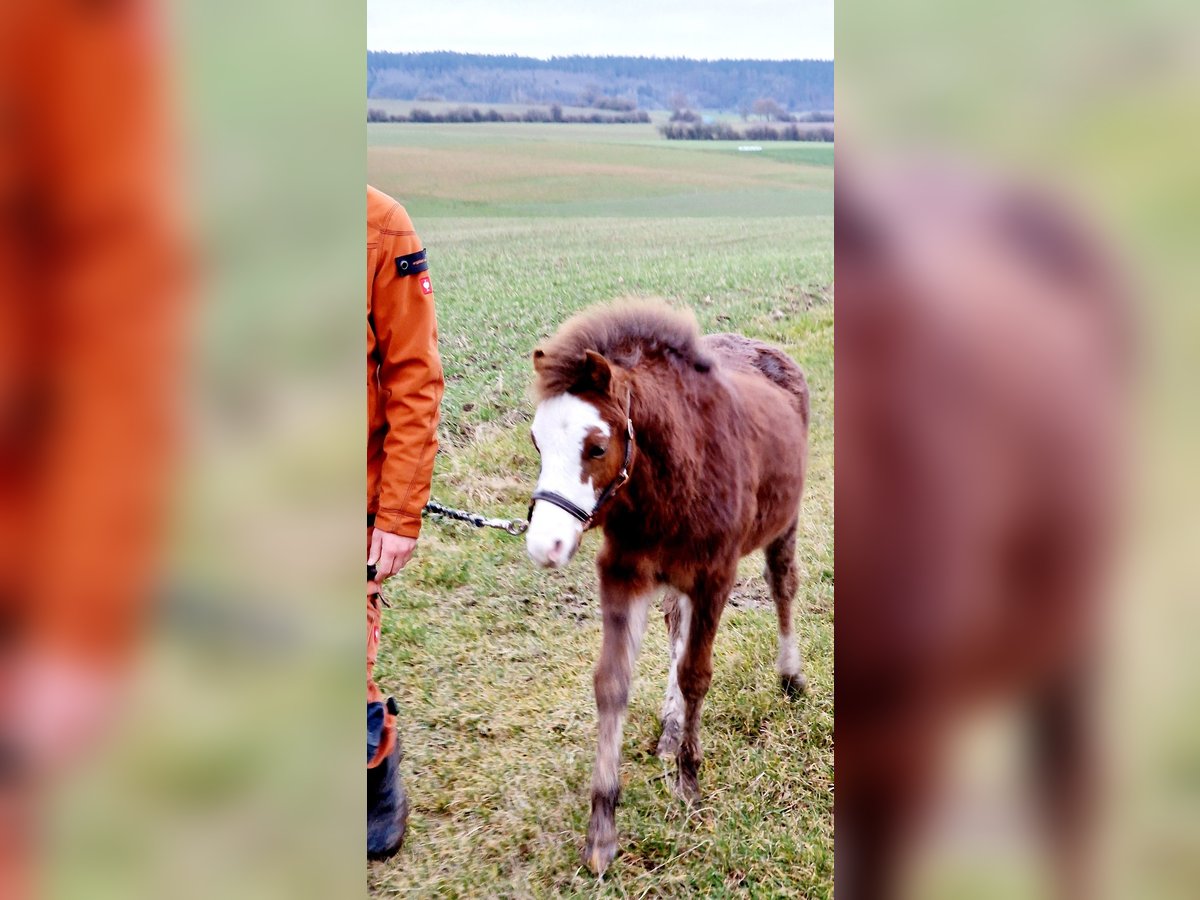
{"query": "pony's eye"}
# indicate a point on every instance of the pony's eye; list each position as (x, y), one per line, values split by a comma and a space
(535, 446)
(597, 452)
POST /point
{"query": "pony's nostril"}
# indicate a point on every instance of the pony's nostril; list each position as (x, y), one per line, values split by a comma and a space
(558, 545)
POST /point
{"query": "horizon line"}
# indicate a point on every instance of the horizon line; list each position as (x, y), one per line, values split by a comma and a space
(613, 55)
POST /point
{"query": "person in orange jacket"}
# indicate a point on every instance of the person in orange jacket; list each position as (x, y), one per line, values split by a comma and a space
(94, 266)
(404, 391)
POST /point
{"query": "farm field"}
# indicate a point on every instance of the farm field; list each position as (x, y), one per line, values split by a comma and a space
(491, 659)
(627, 171)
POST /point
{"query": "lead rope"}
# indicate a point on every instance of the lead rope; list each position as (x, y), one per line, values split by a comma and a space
(515, 527)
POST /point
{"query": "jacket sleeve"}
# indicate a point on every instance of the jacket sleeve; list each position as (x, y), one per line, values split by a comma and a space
(410, 382)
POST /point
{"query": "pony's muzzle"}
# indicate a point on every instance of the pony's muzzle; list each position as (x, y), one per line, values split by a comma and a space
(550, 556)
(553, 536)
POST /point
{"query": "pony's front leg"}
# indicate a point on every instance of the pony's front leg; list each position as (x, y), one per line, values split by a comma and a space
(624, 610)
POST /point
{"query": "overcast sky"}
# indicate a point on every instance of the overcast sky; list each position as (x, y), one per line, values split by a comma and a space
(704, 29)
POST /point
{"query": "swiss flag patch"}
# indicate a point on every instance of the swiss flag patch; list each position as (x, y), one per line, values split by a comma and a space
(426, 285)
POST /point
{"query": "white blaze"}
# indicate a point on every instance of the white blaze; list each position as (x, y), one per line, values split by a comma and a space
(559, 427)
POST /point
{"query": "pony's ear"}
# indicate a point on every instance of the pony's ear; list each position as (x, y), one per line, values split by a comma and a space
(597, 373)
(539, 360)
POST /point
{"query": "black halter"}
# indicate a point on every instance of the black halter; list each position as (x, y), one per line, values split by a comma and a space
(589, 518)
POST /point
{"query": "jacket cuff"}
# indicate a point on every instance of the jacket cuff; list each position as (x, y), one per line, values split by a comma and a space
(401, 523)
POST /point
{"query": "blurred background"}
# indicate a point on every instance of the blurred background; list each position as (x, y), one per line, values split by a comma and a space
(215, 151)
(1084, 115)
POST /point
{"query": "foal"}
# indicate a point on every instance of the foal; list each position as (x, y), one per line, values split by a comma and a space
(690, 453)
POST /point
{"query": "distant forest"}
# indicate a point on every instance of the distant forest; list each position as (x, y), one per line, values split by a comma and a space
(605, 82)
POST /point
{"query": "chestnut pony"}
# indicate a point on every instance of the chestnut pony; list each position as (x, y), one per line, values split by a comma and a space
(984, 355)
(689, 453)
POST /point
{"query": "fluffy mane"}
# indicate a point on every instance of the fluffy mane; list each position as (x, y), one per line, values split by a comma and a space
(628, 333)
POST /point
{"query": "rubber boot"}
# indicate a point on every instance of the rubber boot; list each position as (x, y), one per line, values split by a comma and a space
(387, 807)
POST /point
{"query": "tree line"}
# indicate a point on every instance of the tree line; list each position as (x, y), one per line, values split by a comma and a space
(722, 131)
(474, 114)
(617, 83)
(768, 110)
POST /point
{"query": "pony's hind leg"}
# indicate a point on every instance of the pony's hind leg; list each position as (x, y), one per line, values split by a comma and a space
(678, 613)
(695, 676)
(1066, 767)
(783, 578)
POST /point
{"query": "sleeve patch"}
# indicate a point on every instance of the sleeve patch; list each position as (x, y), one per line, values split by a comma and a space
(411, 264)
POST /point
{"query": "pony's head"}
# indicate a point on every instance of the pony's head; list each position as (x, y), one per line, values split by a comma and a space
(585, 440)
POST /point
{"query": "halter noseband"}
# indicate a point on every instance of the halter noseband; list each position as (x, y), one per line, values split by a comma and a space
(588, 519)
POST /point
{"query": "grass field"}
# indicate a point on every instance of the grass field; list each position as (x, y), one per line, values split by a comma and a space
(491, 659)
(626, 171)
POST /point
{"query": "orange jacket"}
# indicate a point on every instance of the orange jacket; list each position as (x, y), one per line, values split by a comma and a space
(404, 372)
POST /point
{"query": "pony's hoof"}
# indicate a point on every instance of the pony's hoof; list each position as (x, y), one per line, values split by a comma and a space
(687, 787)
(668, 744)
(794, 685)
(597, 854)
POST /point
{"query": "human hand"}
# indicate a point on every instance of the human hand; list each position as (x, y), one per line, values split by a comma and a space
(389, 553)
(62, 706)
